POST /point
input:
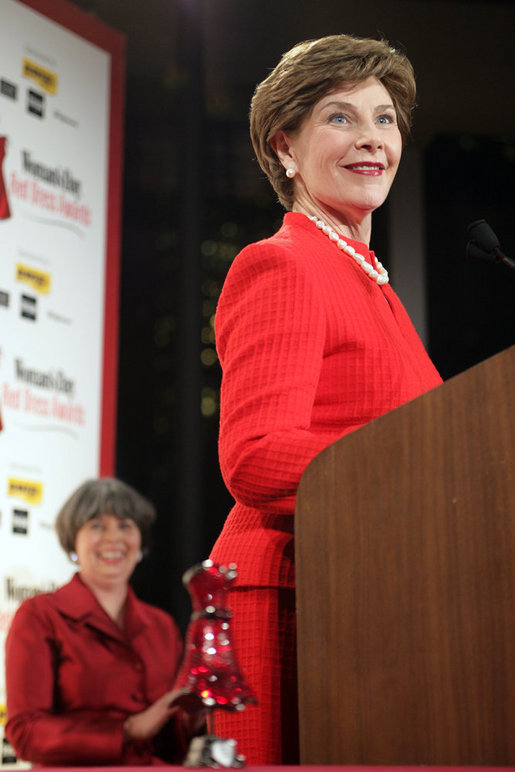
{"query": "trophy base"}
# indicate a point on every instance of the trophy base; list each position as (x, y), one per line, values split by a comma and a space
(215, 752)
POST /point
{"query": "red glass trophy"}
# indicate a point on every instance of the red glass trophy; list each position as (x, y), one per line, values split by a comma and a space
(210, 677)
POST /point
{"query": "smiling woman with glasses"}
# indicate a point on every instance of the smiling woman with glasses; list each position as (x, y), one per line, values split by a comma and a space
(90, 669)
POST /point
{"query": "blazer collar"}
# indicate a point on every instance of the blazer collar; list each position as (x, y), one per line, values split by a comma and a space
(76, 601)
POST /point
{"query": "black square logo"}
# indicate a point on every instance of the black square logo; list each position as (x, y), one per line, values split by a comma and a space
(8, 755)
(20, 521)
(28, 307)
(35, 103)
(8, 89)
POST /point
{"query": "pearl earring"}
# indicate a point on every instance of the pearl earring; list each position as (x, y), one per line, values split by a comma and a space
(74, 557)
(290, 173)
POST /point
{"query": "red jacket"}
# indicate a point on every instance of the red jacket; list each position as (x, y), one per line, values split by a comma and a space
(311, 348)
(73, 677)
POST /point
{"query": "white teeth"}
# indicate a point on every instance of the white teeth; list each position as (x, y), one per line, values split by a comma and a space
(366, 167)
(111, 555)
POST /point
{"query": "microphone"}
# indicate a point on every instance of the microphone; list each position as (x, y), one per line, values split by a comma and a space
(484, 244)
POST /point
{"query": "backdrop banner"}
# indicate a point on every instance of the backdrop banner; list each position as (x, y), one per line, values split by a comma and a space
(58, 264)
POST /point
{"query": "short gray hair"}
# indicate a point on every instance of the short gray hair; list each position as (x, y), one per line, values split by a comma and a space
(104, 495)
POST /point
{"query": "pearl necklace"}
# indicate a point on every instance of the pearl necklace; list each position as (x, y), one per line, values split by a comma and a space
(380, 276)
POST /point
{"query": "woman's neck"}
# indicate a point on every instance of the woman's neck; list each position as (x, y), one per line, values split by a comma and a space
(358, 229)
(111, 597)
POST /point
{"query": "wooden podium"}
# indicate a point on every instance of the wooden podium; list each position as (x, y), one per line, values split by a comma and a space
(405, 556)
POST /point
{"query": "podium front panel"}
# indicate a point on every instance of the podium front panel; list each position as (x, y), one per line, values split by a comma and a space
(405, 560)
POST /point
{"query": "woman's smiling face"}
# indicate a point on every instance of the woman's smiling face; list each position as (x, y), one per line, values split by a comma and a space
(346, 153)
(108, 549)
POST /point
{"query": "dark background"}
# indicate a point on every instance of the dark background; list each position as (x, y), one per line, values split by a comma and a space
(194, 195)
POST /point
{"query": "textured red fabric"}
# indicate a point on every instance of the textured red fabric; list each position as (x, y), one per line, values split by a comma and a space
(264, 621)
(73, 677)
(311, 348)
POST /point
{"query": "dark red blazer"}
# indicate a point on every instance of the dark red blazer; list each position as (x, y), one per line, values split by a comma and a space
(73, 677)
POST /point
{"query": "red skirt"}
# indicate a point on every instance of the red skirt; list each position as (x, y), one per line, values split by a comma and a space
(263, 635)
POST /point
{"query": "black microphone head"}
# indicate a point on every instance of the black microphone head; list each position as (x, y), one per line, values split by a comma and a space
(472, 250)
(480, 232)
(483, 242)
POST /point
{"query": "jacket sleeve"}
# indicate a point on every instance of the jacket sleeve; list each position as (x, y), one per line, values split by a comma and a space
(270, 330)
(35, 729)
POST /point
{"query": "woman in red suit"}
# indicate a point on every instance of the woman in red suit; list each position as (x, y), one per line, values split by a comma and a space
(312, 340)
(90, 668)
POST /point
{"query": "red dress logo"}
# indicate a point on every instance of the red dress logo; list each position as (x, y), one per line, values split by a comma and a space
(5, 212)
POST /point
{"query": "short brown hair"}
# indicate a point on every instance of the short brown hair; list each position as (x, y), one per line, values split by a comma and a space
(105, 495)
(309, 71)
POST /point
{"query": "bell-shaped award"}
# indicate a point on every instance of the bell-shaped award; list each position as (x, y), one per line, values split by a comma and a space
(209, 677)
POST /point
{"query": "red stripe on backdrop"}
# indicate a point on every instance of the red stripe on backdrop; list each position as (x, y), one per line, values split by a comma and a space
(113, 251)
